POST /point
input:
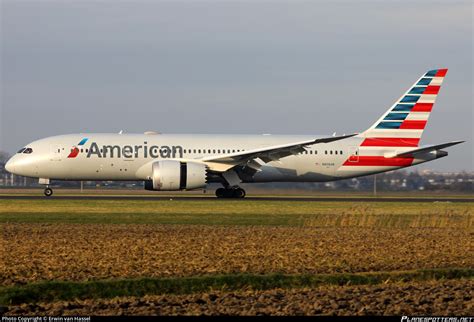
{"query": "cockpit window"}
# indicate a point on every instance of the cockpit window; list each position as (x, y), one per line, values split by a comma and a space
(28, 150)
(21, 150)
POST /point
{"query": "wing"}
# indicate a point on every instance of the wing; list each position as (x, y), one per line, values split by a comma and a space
(221, 163)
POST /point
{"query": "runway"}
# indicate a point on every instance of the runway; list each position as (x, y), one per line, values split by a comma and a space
(255, 198)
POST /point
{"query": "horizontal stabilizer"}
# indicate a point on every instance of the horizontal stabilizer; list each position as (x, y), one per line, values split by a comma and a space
(424, 149)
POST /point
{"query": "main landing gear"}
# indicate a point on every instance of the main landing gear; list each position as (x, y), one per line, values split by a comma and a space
(48, 192)
(230, 193)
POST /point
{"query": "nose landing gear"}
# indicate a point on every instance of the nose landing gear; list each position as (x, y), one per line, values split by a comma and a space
(230, 193)
(48, 192)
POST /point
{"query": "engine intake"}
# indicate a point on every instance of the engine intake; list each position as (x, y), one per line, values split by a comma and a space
(172, 175)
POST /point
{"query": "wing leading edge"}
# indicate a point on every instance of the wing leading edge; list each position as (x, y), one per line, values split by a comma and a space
(221, 163)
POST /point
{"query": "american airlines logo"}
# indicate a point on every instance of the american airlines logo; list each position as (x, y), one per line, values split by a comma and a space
(128, 151)
(75, 150)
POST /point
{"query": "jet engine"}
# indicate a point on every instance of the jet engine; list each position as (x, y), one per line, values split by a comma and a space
(169, 175)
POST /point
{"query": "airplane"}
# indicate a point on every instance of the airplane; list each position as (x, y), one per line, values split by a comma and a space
(173, 162)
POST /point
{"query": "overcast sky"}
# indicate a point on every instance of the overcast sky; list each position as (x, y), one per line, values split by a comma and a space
(231, 67)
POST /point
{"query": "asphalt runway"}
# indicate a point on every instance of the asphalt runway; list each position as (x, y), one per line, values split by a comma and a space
(272, 198)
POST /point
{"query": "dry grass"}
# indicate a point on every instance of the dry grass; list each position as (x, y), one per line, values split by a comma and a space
(366, 215)
(35, 252)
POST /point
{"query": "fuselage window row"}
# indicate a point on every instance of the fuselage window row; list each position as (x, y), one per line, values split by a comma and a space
(209, 151)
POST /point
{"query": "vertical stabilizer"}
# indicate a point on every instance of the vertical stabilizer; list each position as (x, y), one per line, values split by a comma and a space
(403, 124)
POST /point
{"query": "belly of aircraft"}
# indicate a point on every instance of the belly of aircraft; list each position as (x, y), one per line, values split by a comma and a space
(296, 169)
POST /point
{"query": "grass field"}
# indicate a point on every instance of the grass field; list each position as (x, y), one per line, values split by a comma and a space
(212, 212)
(65, 256)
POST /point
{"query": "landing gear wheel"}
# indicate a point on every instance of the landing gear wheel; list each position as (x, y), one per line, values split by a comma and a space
(230, 193)
(238, 193)
(48, 192)
(220, 193)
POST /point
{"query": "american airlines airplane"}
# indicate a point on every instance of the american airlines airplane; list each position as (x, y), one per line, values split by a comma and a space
(172, 162)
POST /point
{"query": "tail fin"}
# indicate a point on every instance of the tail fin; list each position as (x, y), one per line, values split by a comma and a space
(403, 124)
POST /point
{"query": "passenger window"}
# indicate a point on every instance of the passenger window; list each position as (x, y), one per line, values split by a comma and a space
(325, 152)
(340, 152)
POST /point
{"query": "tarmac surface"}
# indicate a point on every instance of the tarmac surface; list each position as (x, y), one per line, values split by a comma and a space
(255, 198)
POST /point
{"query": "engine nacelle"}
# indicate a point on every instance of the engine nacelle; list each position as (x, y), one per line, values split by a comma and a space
(171, 175)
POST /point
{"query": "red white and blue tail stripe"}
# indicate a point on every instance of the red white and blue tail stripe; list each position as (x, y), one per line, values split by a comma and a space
(399, 129)
(404, 122)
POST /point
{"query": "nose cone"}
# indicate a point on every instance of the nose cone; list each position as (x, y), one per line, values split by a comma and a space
(10, 166)
(23, 165)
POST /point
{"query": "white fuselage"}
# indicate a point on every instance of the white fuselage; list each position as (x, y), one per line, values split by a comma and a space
(130, 156)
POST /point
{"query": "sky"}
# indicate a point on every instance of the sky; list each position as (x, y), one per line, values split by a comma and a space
(247, 67)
